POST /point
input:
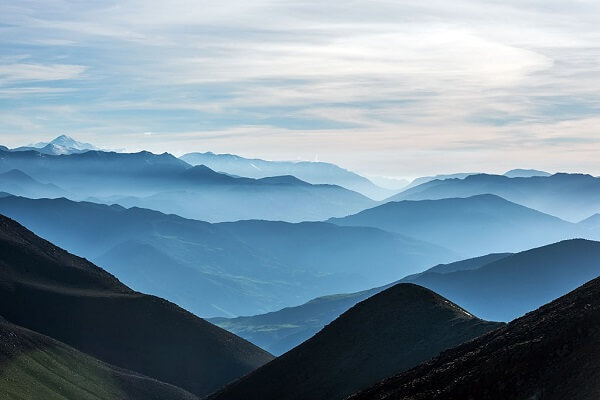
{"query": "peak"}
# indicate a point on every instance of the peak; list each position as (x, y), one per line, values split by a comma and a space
(69, 142)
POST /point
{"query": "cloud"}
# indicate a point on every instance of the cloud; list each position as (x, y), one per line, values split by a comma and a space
(368, 82)
(38, 72)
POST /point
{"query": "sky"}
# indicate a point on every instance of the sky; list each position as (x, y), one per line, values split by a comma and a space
(396, 88)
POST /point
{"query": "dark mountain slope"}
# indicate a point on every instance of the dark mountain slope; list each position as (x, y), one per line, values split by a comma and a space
(34, 366)
(243, 268)
(514, 285)
(50, 291)
(569, 196)
(280, 331)
(392, 331)
(552, 353)
(471, 226)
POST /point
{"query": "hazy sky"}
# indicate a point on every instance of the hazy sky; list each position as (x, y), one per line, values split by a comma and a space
(390, 87)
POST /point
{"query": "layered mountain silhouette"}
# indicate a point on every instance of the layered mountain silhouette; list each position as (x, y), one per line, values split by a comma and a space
(280, 331)
(511, 286)
(232, 269)
(569, 196)
(552, 353)
(19, 183)
(45, 289)
(471, 226)
(35, 366)
(439, 177)
(309, 171)
(525, 173)
(168, 184)
(391, 331)
(61, 145)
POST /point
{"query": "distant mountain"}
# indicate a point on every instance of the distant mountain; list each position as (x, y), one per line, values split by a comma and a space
(519, 283)
(569, 196)
(20, 184)
(310, 171)
(61, 145)
(440, 177)
(395, 184)
(165, 183)
(385, 334)
(470, 226)
(552, 353)
(280, 331)
(35, 366)
(525, 173)
(231, 269)
(47, 290)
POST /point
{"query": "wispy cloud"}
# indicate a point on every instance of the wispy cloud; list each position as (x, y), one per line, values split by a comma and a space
(391, 87)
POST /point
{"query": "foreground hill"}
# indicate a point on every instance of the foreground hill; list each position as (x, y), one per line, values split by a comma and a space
(507, 288)
(166, 183)
(312, 172)
(470, 226)
(280, 331)
(243, 268)
(552, 353)
(569, 196)
(391, 331)
(47, 290)
(34, 366)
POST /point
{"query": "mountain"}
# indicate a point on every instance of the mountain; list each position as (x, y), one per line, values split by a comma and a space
(165, 183)
(552, 353)
(63, 144)
(243, 268)
(310, 171)
(35, 366)
(525, 173)
(470, 226)
(45, 289)
(569, 196)
(385, 334)
(440, 177)
(280, 331)
(511, 286)
(19, 183)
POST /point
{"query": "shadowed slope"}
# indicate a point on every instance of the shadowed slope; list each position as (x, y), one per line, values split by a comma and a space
(552, 353)
(50, 291)
(392, 331)
(34, 366)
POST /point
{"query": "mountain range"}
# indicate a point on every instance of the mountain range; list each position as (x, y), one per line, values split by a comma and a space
(280, 331)
(385, 334)
(569, 196)
(309, 171)
(63, 144)
(511, 286)
(229, 269)
(54, 293)
(471, 226)
(499, 286)
(165, 183)
(552, 353)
